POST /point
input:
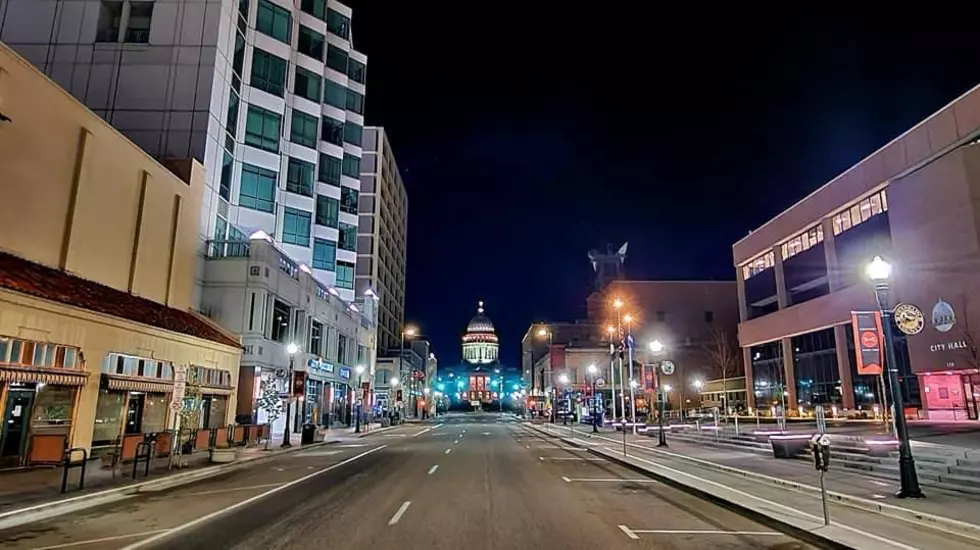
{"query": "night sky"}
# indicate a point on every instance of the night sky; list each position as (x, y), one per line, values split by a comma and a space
(527, 137)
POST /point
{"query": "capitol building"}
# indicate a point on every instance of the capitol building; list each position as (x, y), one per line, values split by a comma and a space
(480, 345)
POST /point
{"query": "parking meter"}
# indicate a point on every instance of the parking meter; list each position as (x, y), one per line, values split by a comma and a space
(820, 445)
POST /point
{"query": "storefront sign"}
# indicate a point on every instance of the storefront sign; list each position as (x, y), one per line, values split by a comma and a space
(299, 384)
(949, 346)
(943, 316)
(344, 372)
(316, 365)
(180, 388)
(909, 319)
(868, 340)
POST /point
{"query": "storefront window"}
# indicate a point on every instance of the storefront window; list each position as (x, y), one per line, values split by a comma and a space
(53, 409)
(155, 412)
(108, 418)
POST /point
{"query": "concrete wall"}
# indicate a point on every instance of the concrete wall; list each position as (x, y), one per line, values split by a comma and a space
(84, 199)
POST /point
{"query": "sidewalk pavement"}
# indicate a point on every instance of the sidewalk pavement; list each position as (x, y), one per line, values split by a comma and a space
(787, 491)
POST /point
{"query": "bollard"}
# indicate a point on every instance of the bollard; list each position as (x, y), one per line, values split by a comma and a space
(68, 463)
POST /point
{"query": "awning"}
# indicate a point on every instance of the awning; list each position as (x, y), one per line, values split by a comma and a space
(41, 375)
(216, 390)
(128, 383)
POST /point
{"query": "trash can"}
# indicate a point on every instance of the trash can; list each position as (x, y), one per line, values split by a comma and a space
(309, 433)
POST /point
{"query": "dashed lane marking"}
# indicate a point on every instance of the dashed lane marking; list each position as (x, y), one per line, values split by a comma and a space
(433, 469)
(401, 510)
(629, 533)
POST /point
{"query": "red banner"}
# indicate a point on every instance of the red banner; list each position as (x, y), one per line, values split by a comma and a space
(299, 384)
(868, 341)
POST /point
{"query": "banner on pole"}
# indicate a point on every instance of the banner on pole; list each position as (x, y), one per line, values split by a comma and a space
(868, 341)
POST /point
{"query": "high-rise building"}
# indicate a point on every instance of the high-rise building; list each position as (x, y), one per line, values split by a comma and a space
(267, 94)
(381, 235)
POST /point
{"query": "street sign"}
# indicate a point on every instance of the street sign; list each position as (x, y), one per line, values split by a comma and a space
(180, 388)
(281, 373)
(667, 367)
(600, 383)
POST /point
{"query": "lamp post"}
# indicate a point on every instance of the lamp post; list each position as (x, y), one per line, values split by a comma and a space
(542, 332)
(407, 331)
(594, 373)
(611, 330)
(629, 348)
(358, 402)
(879, 271)
(657, 348)
(563, 380)
(618, 305)
(697, 386)
(291, 349)
(394, 393)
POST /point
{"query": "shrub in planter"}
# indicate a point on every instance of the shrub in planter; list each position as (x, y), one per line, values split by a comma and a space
(223, 453)
(385, 422)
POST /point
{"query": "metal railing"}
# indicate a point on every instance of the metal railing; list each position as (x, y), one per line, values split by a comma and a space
(67, 464)
(227, 249)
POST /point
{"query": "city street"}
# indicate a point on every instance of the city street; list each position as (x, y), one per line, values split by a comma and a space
(476, 481)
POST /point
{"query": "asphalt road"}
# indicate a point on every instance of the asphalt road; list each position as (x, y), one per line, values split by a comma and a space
(477, 481)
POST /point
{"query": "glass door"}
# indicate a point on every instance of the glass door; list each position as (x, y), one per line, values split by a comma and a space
(16, 416)
(134, 413)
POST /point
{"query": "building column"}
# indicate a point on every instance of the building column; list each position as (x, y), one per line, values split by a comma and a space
(749, 383)
(743, 307)
(844, 366)
(782, 295)
(830, 254)
(789, 373)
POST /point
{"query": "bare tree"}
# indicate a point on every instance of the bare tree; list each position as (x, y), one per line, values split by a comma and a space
(723, 357)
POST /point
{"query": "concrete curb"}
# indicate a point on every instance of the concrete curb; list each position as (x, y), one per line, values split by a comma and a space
(956, 527)
(46, 510)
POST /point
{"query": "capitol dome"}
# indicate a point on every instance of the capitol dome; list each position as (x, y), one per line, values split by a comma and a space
(480, 341)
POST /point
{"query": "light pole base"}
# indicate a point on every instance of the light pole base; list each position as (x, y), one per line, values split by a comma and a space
(286, 445)
(910, 493)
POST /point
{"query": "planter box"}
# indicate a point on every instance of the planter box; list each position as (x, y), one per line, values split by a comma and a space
(789, 446)
(223, 456)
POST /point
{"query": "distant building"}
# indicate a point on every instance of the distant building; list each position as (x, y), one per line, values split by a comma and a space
(382, 235)
(801, 274)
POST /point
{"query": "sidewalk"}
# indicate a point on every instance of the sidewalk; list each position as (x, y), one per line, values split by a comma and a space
(789, 491)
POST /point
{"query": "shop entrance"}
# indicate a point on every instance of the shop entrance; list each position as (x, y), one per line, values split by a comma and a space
(134, 413)
(16, 421)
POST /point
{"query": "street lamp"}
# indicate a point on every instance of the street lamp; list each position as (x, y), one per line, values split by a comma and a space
(291, 350)
(657, 348)
(594, 373)
(879, 271)
(611, 331)
(563, 380)
(542, 332)
(407, 331)
(357, 422)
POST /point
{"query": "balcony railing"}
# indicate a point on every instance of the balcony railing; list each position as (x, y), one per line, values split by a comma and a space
(227, 249)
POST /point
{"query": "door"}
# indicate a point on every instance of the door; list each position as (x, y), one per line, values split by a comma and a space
(205, 412)
(16, 421)
(134, 413)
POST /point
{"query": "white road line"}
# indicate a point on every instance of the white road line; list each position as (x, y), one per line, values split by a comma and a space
(705, 532)
(629, 533)
(233, 489)
(351, 445)
(486, 433)
(246, 502)
(398, 515)
(392, 435)
(439, 425)
(433, 469)
(420, 433)
(587, 459)
(566, 479)
(448, 451)
(105, 539)
(456, 442)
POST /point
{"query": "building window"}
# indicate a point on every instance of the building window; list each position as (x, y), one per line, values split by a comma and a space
(352, 134)
(307, 85)
(336, 59)
(348, 200)
(231, 124)
(860, 212)
(345, 274)
(296, 227)
(332, 131)
(262, 129)
(316, 8)
(327, 211)
(227, 164)
(758, 265)
(303, 129)
(338, 24)
(311, 43)
(342, 349)
(110, 21)
(356, 71)
(138, 29)
(238, 57)
(258, 188)
(268, 72)
(348, 237)
(334, 94)
(803, 241)
(299, 177)
(352, 166)
(280, 322)
(355, 102)
(316, 338)
(330, 168)
(324, 254)
(274, 21)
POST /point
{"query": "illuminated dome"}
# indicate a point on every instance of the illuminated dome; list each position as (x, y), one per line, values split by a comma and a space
(480, 340)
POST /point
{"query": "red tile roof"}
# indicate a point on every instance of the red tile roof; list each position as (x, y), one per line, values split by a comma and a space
(26, 277)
